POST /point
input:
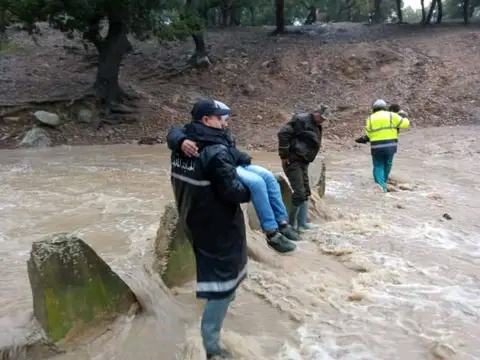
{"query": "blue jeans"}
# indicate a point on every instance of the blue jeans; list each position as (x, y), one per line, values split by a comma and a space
(382, 165)
(266, 196)
(212, 321)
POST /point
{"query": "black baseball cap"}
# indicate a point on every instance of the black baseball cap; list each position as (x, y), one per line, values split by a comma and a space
(207, 107)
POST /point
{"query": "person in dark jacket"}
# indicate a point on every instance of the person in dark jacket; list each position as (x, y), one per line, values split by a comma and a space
(264, 188)
(299, 142)
(208, 195)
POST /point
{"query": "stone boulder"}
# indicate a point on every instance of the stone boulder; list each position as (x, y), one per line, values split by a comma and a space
(74, 290)
(36, 137)
(174, 257)
(47, 118)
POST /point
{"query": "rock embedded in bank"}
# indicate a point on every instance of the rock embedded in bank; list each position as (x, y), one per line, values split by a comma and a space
(36, 137)
(47, 118)
(85, 116)
(73, 289)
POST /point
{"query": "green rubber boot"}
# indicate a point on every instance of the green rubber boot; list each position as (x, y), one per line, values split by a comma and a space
(302, 219)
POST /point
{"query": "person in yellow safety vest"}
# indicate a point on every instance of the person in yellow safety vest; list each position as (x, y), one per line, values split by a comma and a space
(382, 129)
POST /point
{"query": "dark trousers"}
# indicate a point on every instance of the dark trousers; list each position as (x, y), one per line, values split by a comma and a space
(297, 174)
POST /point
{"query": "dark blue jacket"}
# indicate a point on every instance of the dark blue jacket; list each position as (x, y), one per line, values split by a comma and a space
(208, 194)
(176, 135)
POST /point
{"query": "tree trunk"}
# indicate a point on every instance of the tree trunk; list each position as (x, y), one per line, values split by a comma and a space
(280, 16)
(225, 16)
(466, 5)
(430, 12)
(3, 25)
(424, 18)
(377, 16)
(200, 58)
(399, 11)
(440, 11)
(111, 52)
(200, 49)
(215, 17)
(227, 13)
(252, 15)
(205, 15)
(349, 10)
(312, 16)
(234, 18)
(3, 21)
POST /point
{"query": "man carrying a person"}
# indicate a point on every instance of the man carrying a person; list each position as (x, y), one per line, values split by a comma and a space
(208, 195)
(264, 188)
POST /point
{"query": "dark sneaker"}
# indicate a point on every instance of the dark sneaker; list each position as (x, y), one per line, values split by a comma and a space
(289, 232)
(280, 243)
(220, 355)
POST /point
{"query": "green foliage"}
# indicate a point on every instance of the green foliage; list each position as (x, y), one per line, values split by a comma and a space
(165, 18)
(411, 15)
(454, 8)
(389, 10)
(28, 11)
(175, 24)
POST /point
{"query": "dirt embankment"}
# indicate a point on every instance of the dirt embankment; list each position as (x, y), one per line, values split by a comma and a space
(432, 72)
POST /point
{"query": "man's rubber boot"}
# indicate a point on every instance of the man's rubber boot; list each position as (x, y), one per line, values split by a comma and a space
(292, 216)
(220, 355)
(288, 231)
(302, 219)
(280, 243)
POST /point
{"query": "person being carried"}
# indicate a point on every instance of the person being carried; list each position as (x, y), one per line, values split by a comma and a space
(264, 188)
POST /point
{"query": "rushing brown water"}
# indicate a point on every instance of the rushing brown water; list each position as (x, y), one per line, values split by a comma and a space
(385, 277)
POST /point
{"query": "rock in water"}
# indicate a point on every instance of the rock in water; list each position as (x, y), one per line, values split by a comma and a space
(322, 180)
(174, 258)
(36, 137)
(74, 290)
(47, 118)
(317, 175)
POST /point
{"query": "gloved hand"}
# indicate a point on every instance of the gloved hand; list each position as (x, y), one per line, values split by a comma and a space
(362, 139)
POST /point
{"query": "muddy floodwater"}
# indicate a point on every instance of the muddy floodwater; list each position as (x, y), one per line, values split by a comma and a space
(393, 276)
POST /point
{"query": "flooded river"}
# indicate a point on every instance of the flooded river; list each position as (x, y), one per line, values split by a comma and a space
(385, 277)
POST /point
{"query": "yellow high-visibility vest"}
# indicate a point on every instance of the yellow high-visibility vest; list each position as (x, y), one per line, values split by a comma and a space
(383, 125)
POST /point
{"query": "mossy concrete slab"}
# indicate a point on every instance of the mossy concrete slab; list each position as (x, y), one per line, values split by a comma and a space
(174, 257)
(73, 288)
